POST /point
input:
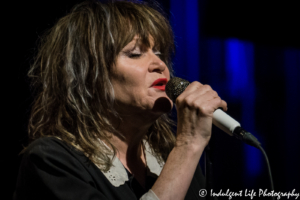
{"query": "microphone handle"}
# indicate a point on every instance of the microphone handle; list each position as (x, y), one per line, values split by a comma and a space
(224, 122)
(233, 128)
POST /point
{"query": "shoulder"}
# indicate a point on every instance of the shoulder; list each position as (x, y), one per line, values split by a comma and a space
(49, 145)
(48, 152)
(52, 169)
(44, 144)
(48, 163)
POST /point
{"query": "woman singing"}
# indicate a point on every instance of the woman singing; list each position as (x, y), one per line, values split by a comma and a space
(99, 128)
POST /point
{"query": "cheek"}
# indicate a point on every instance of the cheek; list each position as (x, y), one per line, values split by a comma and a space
(129, 89)
(167, 73)
(130, 75)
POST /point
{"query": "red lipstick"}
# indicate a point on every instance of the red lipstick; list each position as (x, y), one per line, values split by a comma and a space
(160, 84)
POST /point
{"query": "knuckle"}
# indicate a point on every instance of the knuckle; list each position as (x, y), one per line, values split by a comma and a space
(204, 110)
(179, 101)
(207, 87)
(219, 100)
(189, 101)
(199, 106)
(213, 93)
(196, 84)
(185, 101)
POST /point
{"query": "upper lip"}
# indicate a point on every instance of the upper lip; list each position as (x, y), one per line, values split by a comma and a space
(162, 81)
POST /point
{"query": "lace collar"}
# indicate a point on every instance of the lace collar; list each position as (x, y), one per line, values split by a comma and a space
(117, 174)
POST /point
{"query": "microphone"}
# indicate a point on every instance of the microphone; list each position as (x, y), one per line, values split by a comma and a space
(222, 120)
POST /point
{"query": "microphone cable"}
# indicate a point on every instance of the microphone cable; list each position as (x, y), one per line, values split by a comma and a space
(248, 138)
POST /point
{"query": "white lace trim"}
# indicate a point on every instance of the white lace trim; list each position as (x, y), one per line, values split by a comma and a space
(117, 174)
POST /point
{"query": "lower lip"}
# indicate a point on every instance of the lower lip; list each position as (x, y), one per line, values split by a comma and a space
(161, 87)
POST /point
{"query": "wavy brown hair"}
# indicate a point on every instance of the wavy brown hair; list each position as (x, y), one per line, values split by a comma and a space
(71, 75)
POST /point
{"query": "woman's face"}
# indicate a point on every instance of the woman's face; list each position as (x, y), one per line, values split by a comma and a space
(138, 79)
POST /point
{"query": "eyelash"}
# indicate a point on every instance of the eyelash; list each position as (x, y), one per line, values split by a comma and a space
(158, 54)
(136, 55)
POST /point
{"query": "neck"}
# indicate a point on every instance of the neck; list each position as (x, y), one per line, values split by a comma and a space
(129, 142)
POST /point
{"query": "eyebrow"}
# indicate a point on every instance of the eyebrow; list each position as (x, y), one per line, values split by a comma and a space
(138, 43)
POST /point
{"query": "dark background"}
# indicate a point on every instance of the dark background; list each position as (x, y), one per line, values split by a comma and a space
(272, 31)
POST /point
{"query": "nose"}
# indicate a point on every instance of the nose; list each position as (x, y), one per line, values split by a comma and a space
(156, 65)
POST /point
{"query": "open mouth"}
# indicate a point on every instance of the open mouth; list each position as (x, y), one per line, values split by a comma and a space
(160, 84)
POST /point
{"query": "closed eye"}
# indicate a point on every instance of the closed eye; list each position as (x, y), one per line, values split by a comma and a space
(134, 55)
(158, 54)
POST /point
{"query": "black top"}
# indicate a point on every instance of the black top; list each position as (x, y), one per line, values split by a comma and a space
(53, 170)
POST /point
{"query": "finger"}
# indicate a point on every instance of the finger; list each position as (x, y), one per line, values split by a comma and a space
(191, 88)
(202, 96)
(224, 105)
(195, 88)
(219, 103)
(209, 102)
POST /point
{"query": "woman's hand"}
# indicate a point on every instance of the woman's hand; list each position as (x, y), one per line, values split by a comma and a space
(195, 108)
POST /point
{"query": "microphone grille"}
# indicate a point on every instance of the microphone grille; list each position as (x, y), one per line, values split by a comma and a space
(175, 87)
